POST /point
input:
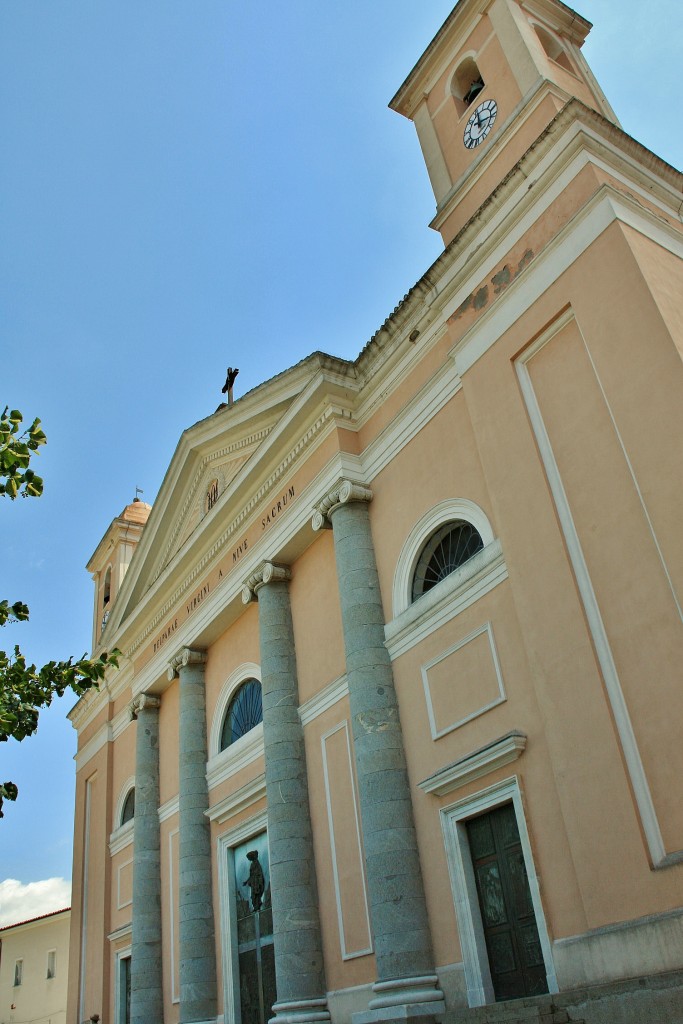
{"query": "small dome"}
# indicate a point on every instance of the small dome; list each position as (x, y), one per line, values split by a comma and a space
(137, 512)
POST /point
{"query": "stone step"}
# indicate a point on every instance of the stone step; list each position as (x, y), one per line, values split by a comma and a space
(532, 1010)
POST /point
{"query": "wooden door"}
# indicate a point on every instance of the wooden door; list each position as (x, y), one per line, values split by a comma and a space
(510, 929)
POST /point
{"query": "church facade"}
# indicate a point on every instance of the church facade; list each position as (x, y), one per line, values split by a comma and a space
(396, 731)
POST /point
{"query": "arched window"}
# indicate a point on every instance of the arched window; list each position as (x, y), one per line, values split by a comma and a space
(245, 712)
(447, 549)
(128, 807)
(466, 84)
(553, 48)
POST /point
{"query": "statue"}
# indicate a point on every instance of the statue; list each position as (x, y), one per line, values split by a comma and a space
(256, 880)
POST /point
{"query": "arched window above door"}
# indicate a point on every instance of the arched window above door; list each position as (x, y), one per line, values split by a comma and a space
(244, 713)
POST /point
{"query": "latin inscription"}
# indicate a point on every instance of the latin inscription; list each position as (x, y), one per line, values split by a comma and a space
(198, 598)
(279, 506)
(239, 551)
(167, 633)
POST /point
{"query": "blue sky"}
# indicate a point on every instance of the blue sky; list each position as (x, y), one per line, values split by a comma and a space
(187, 185)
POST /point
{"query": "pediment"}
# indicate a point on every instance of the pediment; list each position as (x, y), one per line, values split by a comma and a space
(220, 464)
(213, 476)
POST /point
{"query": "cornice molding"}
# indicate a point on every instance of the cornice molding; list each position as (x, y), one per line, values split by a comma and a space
(234, 803)
(124, 932)
(93, 746)
(323, 701)
(226, 763)
(479, 762)
(169, 809)
(122, 837)
(449, 598)
(226, 599)
(343, 493)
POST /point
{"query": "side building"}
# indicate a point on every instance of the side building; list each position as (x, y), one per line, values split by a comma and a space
(397, 729)
(34, 968)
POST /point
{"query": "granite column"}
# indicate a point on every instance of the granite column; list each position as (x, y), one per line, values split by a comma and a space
(406, 984)
(196, 921)
(299, 969)
(146, 982)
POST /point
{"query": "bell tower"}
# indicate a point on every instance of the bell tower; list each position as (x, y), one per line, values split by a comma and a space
(110, 560)
(490, 82)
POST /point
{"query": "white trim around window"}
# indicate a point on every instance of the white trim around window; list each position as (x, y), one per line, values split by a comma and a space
(119, 1007)
(452, 595)
(248, 670)
(451, 510)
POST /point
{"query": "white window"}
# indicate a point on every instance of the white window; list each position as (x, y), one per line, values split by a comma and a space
(439, 545)
(51, 963)
(446, 550)
(18, 972)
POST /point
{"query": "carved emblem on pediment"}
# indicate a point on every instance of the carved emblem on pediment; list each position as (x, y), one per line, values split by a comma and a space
(213, 477)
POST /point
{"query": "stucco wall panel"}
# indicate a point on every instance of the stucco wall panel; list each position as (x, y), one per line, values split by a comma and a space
(239, 645)
(388, 405)
(233, 784)
(359, 969)
(438, 463)
(564, 671)
(641, 617)
(123, 767)
(316, 615)
(168, 743)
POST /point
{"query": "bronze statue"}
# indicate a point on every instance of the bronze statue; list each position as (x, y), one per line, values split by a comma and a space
(256, 880)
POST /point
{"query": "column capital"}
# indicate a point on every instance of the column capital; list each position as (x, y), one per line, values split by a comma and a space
(185, 656)
(269, 572)
(144, 702)
(344, 492)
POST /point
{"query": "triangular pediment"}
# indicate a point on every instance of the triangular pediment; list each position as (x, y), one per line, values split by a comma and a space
(218, 466)
(214, 474)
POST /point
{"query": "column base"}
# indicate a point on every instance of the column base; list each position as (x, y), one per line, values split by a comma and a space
(300, 1011)
(404, 999)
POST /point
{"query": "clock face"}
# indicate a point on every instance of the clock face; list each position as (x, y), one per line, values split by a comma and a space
(480, 123)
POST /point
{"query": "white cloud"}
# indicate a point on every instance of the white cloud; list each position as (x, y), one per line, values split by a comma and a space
(19, 902)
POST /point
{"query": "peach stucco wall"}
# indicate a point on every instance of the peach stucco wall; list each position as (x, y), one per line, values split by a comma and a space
(574, 484)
